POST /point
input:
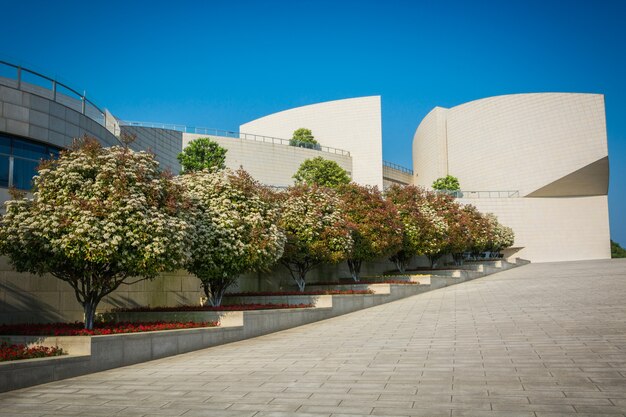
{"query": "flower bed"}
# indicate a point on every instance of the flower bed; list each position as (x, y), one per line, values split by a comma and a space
(76, 329)
(321, 292)
(235, 307)
(10, 352)
(364, 281)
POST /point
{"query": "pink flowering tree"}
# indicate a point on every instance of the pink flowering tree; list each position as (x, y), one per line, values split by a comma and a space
(316, 228)
(424, 229)
(236, 229)
(375, 224)
(100, 217)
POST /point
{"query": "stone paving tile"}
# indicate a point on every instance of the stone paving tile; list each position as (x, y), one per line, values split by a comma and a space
(544, 340)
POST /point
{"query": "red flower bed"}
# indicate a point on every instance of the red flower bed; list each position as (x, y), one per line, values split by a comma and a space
(10, 352)
(363, 282)
(76, 329)
(239, 307)
(320, 292)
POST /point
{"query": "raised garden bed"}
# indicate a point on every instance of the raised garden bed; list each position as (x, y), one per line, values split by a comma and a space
(233, 307)
(365, 281)
(77, 329)
(279, 293)
(14, 352)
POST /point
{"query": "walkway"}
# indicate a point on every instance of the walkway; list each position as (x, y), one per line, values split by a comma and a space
(541, 340)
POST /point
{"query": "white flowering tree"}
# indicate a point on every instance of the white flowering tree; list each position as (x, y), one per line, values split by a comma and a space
(317, 230)
(236, 229)
(424, 229)
(500, 236)
(100, 217)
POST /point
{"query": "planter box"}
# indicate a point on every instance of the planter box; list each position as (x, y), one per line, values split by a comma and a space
(89, 354)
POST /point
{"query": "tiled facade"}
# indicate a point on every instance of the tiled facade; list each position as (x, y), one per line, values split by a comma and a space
(271, 164)
(549, 148)
(352, 124)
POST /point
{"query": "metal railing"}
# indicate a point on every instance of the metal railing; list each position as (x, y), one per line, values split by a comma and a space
(235, 135)
(397, 167)
(33, 82)
(481, 194)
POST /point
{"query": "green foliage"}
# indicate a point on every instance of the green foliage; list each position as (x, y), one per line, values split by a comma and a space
(447, 183)
(304, 138)
(235, 228)
(316, 229)
(425, 230)
(321, 172)
(202, 153)
(99, 217)
(617, 251)
(375, 223)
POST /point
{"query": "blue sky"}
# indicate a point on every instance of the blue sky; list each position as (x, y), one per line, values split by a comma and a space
(222, 63)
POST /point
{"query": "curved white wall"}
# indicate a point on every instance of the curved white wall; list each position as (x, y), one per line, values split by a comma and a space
(430, 149)
(516, 142)
(551, 147)
(352, 124)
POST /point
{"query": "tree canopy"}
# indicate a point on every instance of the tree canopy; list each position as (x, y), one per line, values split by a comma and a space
(235, 228)
(617, 251)
(316, 229)
(304, 138)
(99, 216)
(321, 172)
(202, 153)
(375, 224)
(424, 228)
(447, 183)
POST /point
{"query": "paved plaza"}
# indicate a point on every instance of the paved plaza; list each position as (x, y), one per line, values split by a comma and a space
(540, 340)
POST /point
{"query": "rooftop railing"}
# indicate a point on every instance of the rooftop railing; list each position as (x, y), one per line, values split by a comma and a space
(33, 82)
(397, 167)
(235, 135)
(482, 194)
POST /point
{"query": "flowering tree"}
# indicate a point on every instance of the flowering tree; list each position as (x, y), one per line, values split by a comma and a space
(424, 229)
(500, 236)
(321, 171)
(99, 216)
(202, 153)
(236, 228)
(375, 223)
(316, 229)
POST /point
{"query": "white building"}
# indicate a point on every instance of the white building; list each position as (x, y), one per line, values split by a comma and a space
(538, 161)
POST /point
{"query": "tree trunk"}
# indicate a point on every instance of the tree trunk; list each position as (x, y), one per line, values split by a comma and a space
(89, 308)
(401, 261)
(355, 269)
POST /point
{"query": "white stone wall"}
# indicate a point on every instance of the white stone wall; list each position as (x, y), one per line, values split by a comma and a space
(351, 124)
(553, 142)
(524, 141)
(553, 229)
(429, 148)
(271, 164)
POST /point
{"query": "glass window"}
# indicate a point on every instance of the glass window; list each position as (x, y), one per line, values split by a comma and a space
(23, 172)
(5, 144)
(29, 150)
(4, 171)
